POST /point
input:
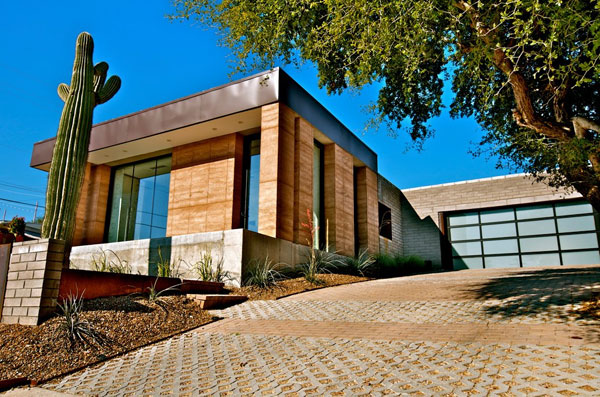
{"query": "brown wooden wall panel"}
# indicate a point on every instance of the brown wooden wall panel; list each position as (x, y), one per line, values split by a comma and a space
(303, 178)
(93, 204)
(367, 211)
(339, 199)
(276, 180)
(205, 187)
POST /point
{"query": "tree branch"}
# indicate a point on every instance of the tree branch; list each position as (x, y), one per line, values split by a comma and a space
(524, 114)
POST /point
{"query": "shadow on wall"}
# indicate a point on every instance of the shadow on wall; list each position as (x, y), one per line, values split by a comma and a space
(423, 237)
(159, 251)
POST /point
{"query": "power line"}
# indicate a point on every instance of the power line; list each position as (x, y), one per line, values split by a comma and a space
(27, 188)
(21, 202)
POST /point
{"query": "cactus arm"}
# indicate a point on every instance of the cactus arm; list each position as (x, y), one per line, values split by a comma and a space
(100, 70)
(109, 90)
(69, 158)
(63, 91)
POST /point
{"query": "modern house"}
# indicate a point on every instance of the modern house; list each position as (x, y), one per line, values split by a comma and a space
(234, 170)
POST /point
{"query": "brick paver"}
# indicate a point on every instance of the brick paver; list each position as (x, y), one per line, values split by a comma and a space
(464, 333)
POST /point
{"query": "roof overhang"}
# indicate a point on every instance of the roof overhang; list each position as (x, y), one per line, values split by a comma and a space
(222, 110)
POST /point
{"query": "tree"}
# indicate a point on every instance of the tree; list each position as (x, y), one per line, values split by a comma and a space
(527, 70)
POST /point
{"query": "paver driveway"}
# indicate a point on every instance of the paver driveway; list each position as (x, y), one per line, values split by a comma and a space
(495, 332)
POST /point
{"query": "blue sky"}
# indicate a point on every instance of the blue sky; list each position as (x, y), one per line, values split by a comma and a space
(159, 61)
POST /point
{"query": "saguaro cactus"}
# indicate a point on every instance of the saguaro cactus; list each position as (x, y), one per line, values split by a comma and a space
(88, 88)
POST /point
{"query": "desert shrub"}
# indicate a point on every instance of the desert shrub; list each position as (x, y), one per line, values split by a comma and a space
(206, 270)
(166, 268)
(385, 265)
(398, 265)
(410, 264)
(154, 294)
(318, 262)
(361, 264)
(262, 273)
(101, 262)
(77, 330)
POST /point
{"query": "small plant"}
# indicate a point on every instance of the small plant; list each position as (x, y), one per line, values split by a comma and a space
(362, 263)
(102, 263)
(77, 330)
(410, 264)
(166, 268)
(154, 294)
(318, 262)
(206, 270)
(262, 273)
(17, 226)
(386, 265)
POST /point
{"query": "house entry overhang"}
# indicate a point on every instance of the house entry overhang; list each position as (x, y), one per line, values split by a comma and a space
(234, 107)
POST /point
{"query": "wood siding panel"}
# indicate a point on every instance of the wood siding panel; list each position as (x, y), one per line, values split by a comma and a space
(204, 184)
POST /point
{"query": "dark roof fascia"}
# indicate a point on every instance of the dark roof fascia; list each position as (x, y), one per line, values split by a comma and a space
(237, 96)
(296, 97)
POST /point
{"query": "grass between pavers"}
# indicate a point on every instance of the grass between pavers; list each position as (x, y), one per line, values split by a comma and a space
(125, 324)
(297, 285)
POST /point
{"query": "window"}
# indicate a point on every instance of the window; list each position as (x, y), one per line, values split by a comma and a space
(140, 200)
(385, 221)
(251, 182)
(318, 207)
(529, 235)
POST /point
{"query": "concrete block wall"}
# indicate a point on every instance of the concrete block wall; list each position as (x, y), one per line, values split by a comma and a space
(516, 189)
(390, 196)
(424, 206)
(33, 281)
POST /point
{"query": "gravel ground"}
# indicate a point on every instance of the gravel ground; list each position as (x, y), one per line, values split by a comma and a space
(295, 285)
(125, 323)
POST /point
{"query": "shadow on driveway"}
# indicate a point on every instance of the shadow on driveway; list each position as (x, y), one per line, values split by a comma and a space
(548, 292)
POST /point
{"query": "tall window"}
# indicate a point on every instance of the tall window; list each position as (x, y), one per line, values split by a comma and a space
(251, 179)
(140, 200)
(318, 208)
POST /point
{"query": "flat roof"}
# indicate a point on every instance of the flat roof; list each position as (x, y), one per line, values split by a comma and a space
(215, 105)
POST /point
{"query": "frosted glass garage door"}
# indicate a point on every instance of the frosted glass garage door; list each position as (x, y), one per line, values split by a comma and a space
(562, 233)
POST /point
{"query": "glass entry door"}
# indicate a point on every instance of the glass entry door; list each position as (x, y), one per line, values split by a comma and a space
(140, 200)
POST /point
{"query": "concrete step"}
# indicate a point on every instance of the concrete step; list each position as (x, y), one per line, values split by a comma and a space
(217, 301)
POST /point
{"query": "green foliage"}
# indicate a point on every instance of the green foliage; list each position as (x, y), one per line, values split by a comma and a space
(262, 273)
(524, 69)
(166, 268)
(206, 270)
(154, 294)
(17, 226)
(393, 266)
(361, 264)
(318, 262)
(109, 261)
(88, 88)
(77, 329)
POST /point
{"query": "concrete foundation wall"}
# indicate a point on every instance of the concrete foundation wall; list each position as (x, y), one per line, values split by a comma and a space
(237, 248)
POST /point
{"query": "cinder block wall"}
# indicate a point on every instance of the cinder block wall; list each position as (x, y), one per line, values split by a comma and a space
(423, 206)
(429, 201)
(33, 281)
(390, 196)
